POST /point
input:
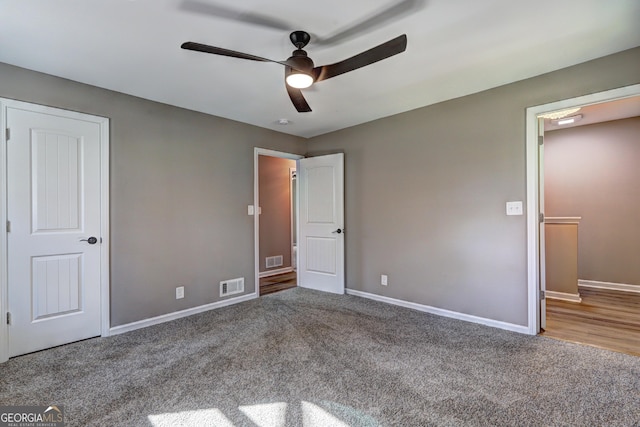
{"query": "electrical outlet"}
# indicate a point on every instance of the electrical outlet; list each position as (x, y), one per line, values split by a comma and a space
(383, 280)
(180, 292)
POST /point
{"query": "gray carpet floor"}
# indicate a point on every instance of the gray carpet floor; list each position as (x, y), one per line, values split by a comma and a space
(305, 358)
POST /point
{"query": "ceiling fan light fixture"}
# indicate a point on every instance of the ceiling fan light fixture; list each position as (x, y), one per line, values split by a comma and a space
(299, 80)
(298, 73)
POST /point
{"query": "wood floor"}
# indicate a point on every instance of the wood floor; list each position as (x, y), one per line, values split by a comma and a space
(604, 318)
(269, 285)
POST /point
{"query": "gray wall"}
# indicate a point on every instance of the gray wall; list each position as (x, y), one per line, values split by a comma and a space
(593, 172)
(180, 185)
(426, 193)
(275, 202)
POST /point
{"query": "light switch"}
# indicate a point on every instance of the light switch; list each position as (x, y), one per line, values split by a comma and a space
(514, 208)
(250, 210)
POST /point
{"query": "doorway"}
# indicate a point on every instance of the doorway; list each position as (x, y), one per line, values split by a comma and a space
(592, 242)
(54, 172)
(535, 196)
(320, 235)
(276, 242)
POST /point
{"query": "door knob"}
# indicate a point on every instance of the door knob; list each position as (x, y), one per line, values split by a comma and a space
(339, 230)
(91, 240)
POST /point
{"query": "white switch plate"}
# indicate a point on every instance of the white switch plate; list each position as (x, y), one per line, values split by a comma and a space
(514, 208)
(180, 292)
(250, 210)
(384, 280)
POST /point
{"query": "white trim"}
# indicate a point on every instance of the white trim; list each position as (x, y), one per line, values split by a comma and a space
(4, 282)
(121, 329)
(441, 312)
(293, 173)
(563, 296)
(533, 231)
(562, 219)
(533, 169)
(609, 285)
(256, 203)
(103, 123)
(270, 273)
(105, 233)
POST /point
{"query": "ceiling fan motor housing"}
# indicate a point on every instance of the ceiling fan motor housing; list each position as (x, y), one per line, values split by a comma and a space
(300, 61)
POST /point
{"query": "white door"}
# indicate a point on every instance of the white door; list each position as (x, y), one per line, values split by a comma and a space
(54, 242)
(321, 223)
(543, 273)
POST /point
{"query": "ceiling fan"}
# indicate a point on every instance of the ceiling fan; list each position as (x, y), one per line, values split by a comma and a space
(300, 71)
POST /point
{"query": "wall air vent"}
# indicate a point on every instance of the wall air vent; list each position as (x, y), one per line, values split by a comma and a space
(273, 261)
(231, 287)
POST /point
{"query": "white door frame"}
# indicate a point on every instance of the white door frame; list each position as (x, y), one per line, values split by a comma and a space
(293, 174)
(256, 204)
(103, 123)
(533, 167)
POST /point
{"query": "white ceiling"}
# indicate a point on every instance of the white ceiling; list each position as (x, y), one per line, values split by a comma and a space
(455, 47)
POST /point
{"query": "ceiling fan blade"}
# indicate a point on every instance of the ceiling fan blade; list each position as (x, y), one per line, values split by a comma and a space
(297, 99)
(378, 53)
(199, 47)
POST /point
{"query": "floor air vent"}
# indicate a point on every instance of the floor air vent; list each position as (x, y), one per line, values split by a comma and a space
(233, 286)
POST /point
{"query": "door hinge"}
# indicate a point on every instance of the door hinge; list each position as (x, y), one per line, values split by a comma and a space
(8, 226)
(540, 140)
(541, 217)
(8, 318)
(542, 295)
(8, 133)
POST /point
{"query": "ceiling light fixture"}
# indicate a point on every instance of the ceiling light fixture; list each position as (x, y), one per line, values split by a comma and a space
(299, 80)
(568, 120)
(299, 72)
(559, 114)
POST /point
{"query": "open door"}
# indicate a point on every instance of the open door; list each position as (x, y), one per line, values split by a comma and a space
(321, 223)
(543, 273)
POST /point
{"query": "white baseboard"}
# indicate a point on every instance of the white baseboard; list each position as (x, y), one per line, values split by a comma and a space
(609, 285)
(121, 329)
(562, 296)
(275, 272)
(442, 312)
